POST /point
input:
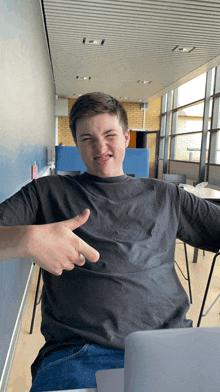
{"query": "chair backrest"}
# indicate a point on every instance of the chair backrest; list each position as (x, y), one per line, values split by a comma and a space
(175, 179)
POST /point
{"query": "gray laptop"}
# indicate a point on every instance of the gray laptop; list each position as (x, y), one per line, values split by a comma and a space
(174, 360)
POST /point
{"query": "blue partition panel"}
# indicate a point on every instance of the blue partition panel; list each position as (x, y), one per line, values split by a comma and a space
(136, 161)
(68, 159)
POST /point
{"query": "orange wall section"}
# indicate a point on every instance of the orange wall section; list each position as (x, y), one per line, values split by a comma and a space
(132, 143)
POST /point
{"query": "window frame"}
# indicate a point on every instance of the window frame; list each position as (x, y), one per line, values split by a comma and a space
(169, 120)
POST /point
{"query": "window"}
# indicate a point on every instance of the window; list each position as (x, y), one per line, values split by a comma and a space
(190, 119)
(188, 148)
(194, 120)
(192, 91)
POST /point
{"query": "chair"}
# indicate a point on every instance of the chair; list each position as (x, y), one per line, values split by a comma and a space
(177, 179)
(68, 172)
(36, 302)
(206, 292)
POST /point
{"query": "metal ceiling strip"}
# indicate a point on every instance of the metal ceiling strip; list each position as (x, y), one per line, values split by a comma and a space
(162, 15)
(198, 6)
(162, 21)
(82, 29)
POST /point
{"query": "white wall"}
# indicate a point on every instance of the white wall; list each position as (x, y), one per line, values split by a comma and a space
(27, 130)
(27, 90)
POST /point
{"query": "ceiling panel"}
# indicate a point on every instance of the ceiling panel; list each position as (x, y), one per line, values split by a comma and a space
(139, 40)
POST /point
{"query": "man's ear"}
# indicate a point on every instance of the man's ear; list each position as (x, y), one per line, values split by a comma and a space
(127, 138)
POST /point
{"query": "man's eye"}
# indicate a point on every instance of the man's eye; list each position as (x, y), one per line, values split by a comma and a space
(111, 135)
(86, 138)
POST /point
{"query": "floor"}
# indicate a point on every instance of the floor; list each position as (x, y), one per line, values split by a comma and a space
(29, 345)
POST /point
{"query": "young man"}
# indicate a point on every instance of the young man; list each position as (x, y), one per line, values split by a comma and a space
(115, 274)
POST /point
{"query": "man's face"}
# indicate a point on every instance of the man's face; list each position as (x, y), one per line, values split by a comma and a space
(101, 143)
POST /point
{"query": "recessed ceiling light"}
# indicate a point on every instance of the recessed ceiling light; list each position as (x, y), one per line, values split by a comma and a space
(83, 77)
(183, 49)
(92, 41)
(144, 81)
(122, 98)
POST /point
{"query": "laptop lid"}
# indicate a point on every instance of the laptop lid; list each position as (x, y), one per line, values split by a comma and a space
(177, 360)
(110, 380)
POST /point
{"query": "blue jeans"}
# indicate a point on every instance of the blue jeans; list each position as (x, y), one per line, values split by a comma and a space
(75, 368)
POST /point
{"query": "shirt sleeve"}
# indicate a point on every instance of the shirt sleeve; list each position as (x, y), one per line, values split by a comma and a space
(21, 208)
(199, 222)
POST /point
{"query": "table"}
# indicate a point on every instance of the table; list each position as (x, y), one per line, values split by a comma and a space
(205, 193)
(208, 194)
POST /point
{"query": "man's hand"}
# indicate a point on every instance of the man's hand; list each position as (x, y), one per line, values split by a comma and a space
(55, 248)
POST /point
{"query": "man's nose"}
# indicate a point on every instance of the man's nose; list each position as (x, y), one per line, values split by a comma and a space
(100, 146)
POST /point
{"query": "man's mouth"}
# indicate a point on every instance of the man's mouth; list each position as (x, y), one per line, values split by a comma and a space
(103, 158)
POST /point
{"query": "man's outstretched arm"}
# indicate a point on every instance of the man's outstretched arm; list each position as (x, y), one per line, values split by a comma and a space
(53, 246)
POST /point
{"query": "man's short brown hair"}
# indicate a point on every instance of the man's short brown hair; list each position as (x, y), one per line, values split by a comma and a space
(91, 104)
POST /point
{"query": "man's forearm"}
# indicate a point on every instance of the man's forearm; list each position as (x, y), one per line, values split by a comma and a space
(11, 244)
(52, 246)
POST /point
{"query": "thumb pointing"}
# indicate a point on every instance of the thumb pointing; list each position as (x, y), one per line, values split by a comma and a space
(78, 220)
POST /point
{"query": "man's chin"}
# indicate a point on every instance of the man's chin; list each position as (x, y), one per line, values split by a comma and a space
(105, 173)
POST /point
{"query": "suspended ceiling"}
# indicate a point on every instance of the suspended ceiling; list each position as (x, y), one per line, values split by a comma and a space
(139, 41)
